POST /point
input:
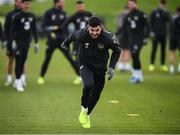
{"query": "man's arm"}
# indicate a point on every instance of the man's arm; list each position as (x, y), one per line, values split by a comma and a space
(123, 26)
(68, 21)
(115, 46)
(34, 30)
(7, 26)
(146, 26)
(1, 33)
(152, 19)
(72, 37)
(171, 26)
(13, 29)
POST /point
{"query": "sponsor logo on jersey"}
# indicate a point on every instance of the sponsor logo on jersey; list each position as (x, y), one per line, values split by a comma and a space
(86, 45)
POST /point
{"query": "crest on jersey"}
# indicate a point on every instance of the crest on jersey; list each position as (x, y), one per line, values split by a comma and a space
(157, 15)
(30, 19)
(78, 20)
(101, 46)
(61, 16)
(129, 19)
(53, 17)
(22, 20)
(136, 18)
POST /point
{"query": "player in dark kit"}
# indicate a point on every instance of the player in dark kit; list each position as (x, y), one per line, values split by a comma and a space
(79, 21)
(93, 57)
(174, 40)
(159, 20)
(123, 37)
(24, 25)
(138, 27)
(54, 18)
(7, 27)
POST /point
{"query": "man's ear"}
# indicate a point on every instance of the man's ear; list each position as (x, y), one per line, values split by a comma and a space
(87, 27)
(102, 26)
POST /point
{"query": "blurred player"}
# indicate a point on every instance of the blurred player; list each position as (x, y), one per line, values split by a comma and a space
(174, 40)
(79, 20)
(93, 59)
(138, 27)
(159, 20)
(54, 18)
(7, 26)
(123, 64)
(24, 25)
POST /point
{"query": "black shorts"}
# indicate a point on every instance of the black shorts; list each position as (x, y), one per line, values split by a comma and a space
(124, 41)
(174, 43)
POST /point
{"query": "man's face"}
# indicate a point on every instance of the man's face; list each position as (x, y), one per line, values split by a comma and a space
(162, 6)
(26, 6)
(131, 5)
(80, 7)
(95, 31)
(18, 4)
(60, 4)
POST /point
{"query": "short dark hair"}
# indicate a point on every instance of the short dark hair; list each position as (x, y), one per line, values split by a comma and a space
(26, 1)
(79, 2)
(135, 1)
(94, 21)
(55, 1)
(163, 2)
(178, 9)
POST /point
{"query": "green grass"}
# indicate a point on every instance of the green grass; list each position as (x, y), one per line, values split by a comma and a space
(55, 106)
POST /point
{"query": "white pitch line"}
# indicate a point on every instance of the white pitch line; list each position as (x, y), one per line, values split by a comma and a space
(133, 114)
(113, 102)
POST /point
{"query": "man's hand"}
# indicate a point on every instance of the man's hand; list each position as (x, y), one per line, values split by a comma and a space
(14, 46)
(53, 35)
(36, 48)
(65, 47)
(152, 34)
(110, 73)
(145, 41)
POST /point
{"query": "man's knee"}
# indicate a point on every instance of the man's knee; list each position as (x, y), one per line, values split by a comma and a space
(88, 86)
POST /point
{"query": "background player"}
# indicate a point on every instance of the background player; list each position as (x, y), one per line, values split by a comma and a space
(124, 59)
(138, 26)
(159, 20)
(79, 21)
(24, 25)
(7, 27)
(174, 40)
(54, 18)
